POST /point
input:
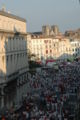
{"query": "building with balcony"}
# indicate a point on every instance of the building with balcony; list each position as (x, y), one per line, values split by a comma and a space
(52, 47)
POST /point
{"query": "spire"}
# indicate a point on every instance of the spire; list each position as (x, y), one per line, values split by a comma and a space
(3, 8)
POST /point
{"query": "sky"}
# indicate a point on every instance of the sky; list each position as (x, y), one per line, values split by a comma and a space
(64, 13)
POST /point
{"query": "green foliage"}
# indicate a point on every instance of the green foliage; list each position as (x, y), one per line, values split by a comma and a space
(33, 65)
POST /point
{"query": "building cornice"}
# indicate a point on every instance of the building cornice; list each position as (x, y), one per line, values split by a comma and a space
(12, 32)
(3, 13)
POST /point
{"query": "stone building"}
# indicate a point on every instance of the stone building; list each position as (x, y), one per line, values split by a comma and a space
(73, 33)
(55, 29)
(60, 48)
(46, 30)
(50, 30)
(13, 59)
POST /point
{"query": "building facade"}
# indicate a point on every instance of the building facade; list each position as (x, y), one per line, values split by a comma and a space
(11, 22)
(49, 47)
(13, 59)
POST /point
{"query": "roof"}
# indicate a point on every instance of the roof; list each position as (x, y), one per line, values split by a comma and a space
(37, 33)
(6, 14)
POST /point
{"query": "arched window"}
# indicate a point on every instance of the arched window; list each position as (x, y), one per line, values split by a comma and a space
(3, 59)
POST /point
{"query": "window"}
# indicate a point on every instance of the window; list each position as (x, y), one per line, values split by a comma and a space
(49, 41)
(76, 49)
(1, 37)
(46, 46)
(11, 58)
(3, 59)
(73, 50)
(50, 46)
(46, 51)
(50, 51)
(7, 58)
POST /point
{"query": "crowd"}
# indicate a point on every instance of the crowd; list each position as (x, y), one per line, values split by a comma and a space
(53, 95)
